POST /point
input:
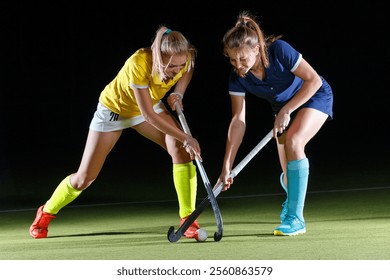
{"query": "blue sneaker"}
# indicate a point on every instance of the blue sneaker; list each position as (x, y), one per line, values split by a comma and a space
(290, 226)
(284, 211)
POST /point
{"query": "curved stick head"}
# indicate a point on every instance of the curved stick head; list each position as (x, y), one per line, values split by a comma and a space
(217, 236)
(172, 237)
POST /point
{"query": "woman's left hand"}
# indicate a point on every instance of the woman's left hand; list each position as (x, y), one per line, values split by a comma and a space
(281, 123)
(172, 99)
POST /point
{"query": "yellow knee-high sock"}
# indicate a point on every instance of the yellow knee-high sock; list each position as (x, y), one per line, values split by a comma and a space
(62, 196)
(185, 180)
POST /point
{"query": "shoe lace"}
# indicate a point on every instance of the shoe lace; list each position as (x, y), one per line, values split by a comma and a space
(45, 220)
(289, 220)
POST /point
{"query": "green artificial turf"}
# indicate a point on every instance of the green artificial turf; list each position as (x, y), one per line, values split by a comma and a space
(341, 225)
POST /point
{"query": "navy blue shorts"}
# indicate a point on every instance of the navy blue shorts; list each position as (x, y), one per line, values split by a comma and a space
(322, 101)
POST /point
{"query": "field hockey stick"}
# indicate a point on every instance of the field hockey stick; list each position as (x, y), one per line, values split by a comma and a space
(217, 190)
(246, 160)
(217, 213)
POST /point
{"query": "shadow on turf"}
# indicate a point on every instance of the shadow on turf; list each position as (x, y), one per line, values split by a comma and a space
(158, 231)
(102, 234)
(134, 232)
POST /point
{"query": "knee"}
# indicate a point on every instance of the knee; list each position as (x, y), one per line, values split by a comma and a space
(177, 152)
(294, 143)
(81, 181)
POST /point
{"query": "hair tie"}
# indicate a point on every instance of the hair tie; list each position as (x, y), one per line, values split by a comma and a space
(242, 23)
(167, 31)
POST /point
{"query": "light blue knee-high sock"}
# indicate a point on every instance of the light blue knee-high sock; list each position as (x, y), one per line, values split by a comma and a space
(297, 177)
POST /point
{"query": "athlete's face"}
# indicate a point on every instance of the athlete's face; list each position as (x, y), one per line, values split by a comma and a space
(173, 64)
(243, 59)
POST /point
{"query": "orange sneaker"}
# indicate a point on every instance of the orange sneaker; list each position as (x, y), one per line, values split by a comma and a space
(38, 229)
(190, 232)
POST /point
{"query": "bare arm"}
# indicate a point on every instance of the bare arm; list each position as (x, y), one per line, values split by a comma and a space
(311, 83)
(145, 104)
(234, 138)
(180, 88)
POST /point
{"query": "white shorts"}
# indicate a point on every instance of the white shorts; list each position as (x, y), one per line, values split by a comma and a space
(104, 120)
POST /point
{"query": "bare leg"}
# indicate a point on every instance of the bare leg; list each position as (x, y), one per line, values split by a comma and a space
(98, 146)
(303, 128)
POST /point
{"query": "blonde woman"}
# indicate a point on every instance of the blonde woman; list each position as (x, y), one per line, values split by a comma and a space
(133, 100)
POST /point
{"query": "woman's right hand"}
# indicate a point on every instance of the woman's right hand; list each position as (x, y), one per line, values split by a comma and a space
(173, 98)
(226, 179)
(192, 147)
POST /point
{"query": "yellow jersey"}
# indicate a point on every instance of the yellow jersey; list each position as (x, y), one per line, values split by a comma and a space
(118, 95)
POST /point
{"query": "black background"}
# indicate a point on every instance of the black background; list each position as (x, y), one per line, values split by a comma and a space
(57, 56)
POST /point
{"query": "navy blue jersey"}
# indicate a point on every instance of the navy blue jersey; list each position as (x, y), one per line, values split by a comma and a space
(280, 84)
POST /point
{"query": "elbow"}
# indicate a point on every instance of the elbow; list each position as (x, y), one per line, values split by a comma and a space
(146, 117)
(150, 118)
(238, 124)
(317, 82)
